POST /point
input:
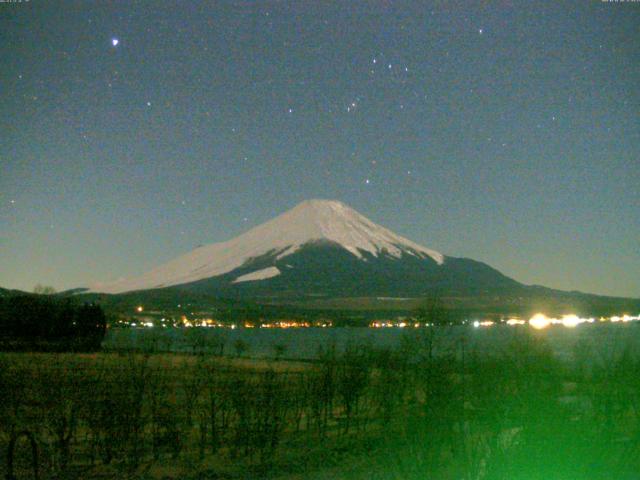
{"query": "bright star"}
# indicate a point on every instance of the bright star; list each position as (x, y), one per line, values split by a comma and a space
(115, 42)
(480, 31)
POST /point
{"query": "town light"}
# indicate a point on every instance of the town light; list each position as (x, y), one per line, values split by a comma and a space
(539, 321)
(571, 321)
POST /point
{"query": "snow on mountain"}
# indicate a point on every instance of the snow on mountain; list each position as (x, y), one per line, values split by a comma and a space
(309, 221)
(263, 274)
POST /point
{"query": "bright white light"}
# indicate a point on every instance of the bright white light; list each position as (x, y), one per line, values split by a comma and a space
(476, 324)
(571, 321)
(115, 42)
(515, 321)
(539, 321)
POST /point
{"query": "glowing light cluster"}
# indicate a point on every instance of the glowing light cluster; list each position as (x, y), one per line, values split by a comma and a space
(625, 318)
(571, 321)
(539, 321)
(395, 324)
(515, 321)
(483, 323)
(286, 324)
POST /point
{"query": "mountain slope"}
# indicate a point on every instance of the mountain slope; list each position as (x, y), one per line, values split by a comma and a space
(321, 251)
(325, 268)
(308, 223)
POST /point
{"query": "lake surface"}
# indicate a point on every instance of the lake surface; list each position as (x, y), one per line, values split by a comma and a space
(602, 341)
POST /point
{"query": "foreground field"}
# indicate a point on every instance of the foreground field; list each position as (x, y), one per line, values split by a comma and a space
(366, 412)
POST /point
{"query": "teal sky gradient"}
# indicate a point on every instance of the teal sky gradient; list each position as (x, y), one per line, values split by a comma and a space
(506, 132)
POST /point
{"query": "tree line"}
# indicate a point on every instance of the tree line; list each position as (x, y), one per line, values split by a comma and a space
(50, 323)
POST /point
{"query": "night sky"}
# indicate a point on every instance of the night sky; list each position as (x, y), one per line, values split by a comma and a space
(507, 132)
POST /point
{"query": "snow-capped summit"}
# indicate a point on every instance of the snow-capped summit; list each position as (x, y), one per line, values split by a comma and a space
(333, 221)
(308, 223)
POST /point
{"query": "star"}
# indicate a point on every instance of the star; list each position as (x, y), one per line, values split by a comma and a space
(480, 31)
(367, 181)
(148, 104)
(115, 42)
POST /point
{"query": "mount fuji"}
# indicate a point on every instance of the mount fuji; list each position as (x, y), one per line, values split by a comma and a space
(318, 248)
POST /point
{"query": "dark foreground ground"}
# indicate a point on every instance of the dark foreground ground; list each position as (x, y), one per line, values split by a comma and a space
(365, 412)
